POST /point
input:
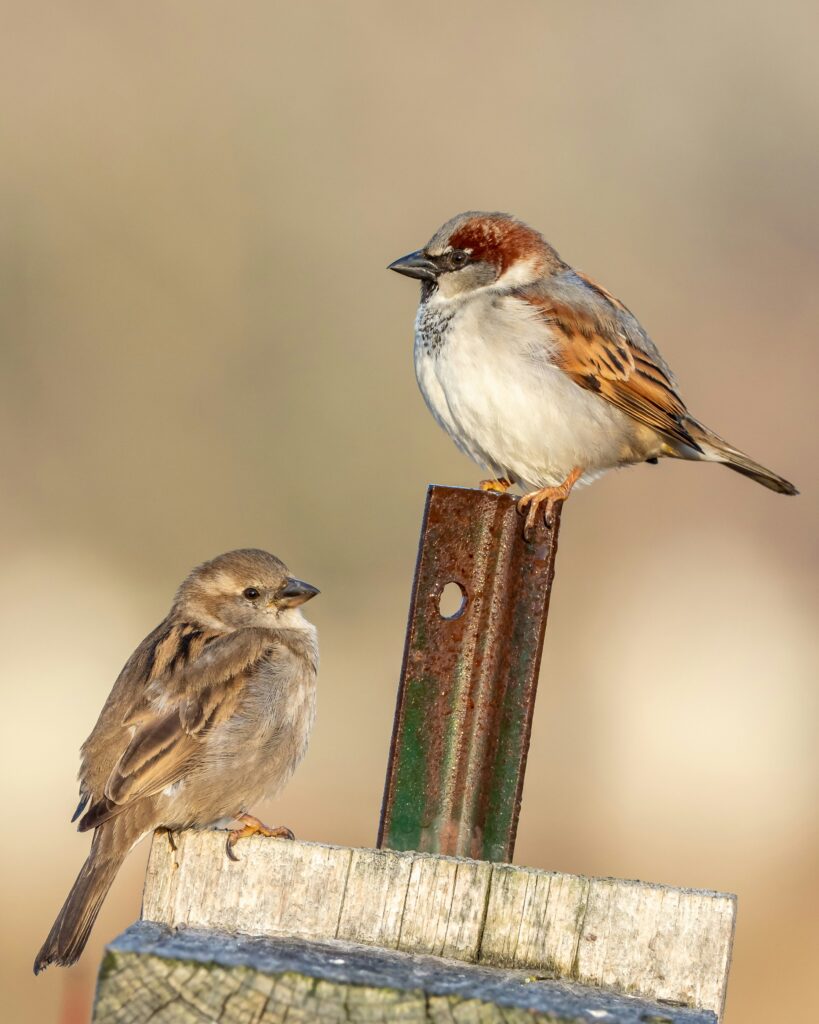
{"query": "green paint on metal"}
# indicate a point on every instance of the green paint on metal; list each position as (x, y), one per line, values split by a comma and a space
(407, 823)
(468, 684)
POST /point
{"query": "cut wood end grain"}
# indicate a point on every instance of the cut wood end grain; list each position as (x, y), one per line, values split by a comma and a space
(636, 938)
(153, 974)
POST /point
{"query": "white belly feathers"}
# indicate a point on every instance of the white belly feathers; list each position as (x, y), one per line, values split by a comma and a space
(487, 377)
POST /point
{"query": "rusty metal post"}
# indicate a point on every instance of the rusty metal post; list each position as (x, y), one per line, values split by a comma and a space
(468, 682)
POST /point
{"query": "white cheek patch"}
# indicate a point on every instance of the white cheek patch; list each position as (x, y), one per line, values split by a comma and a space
(521, 272)
(448, 287)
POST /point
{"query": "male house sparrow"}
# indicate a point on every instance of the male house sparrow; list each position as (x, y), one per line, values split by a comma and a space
(539, 374)
(211, 713)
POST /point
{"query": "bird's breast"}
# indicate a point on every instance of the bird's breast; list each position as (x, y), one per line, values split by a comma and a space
(280, 708)
(486, 370)
(252, 756)
(431, 327)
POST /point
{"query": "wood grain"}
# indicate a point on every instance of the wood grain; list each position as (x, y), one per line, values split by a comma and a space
(631, 937)
(152, 974)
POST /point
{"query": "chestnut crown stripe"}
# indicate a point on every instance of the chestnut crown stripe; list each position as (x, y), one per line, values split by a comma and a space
(502, 241)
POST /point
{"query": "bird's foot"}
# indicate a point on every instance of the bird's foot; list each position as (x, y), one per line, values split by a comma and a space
(499, 486)
(253, 827)
(548, 497)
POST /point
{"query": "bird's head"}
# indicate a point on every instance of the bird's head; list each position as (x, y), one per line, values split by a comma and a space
(479, 250)
(244, 588)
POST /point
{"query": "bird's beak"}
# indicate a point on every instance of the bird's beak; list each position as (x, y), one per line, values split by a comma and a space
(294, 593)
(416, 265)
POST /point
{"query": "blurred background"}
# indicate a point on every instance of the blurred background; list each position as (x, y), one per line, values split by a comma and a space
(202, 350)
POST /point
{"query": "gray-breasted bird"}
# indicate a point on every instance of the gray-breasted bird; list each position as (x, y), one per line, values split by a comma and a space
(540, 375)
(211, 713)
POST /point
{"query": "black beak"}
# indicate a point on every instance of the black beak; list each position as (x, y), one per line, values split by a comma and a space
(294, 593)
(416, 265)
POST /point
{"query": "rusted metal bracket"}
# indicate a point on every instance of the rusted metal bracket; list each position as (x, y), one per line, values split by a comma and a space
(468, 682)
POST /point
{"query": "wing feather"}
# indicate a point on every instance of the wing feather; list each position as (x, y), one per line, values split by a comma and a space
(603, 348)
(194, 681)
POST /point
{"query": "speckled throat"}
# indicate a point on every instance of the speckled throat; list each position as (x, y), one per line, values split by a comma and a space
(431, 326)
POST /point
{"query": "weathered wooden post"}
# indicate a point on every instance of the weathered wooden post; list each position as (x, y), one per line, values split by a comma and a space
(415, 930)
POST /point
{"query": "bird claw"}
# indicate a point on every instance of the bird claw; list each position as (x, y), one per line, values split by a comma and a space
(496, 486)
(535, 502)
(548, 496)
(531, 517)
(253, 827)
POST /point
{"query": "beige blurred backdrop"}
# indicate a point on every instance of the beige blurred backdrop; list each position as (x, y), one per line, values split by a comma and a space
(201, 350)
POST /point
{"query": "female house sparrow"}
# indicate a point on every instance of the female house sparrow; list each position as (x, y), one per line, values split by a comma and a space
(211, 713)
(538, 373)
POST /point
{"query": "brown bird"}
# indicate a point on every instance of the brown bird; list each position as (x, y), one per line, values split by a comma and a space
(211, 713)
(538, 373)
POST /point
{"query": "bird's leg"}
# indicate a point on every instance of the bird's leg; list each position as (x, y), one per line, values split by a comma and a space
(171, 838)
(253, 827)
(548, 496)
(499, 486)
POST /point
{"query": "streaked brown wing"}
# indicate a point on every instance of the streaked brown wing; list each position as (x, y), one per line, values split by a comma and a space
(163, 745)
(178, 708)
(597, 347)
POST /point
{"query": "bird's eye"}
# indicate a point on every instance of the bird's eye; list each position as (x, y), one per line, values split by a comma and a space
(458, 258)
(251, 593)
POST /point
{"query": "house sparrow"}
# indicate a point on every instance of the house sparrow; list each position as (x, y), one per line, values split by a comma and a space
(538, 373)
(211, 713)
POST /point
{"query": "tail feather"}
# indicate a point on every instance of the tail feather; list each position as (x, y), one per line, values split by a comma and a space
(70, 931)
(715, 449)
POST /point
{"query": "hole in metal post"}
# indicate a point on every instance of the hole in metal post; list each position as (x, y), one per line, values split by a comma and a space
(452, 600)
